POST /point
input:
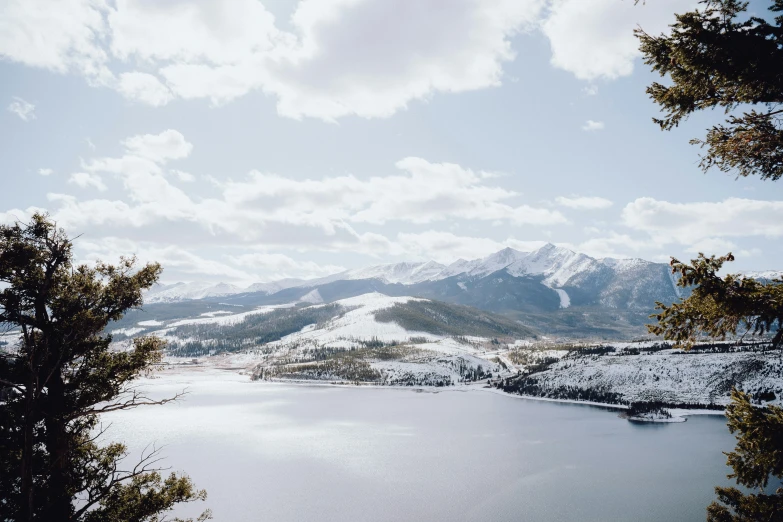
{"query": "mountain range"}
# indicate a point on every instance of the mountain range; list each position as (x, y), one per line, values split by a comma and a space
(548, 278)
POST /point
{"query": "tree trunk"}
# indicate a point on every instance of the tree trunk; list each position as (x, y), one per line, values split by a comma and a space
(27, 487)
(59, 507)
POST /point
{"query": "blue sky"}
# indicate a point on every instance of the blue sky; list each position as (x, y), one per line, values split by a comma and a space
(245, 140)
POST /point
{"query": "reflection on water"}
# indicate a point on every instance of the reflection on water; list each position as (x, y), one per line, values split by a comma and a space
(295, 453)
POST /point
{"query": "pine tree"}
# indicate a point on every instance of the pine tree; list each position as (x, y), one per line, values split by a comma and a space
(62, 375)
(717, 57)
(758, 455)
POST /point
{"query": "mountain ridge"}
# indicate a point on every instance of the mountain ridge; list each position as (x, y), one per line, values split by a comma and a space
(407, 273)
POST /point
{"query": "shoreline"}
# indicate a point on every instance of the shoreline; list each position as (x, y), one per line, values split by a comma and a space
(678, 414)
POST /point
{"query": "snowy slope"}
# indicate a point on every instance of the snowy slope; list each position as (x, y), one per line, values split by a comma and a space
(667, 376)
(359, 323)
(404, 273)
(497, 261)
(558, 265)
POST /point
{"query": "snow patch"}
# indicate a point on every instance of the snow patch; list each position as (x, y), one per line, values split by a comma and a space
(227, 319)
(313, 297)
(565, 301)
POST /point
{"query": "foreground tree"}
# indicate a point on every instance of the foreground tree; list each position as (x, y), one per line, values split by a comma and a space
(719, 307)
(61, 376)
(717, 57)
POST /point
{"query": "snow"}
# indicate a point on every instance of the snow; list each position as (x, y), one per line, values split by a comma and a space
(149, 323)
(558, 265)
(668, 375)
(765, 274)
(359, 323)
(497, 261)
(313, 297)
(227, 319)
(565, 301)
(130, 332)
(403, 273)
(653, 417)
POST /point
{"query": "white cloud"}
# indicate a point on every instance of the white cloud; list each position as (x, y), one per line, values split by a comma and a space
(336, 58)
(445, 247)
(614, 245)
(24, 109)
(60, 36)
(169, 144)
(85, 179)
(590, 90)
(18, 215)
(591, 125)
(594, 39)
(177, 261)
(144, 87)
(319, 213)
(275, 266)
(712, 245)
(183, 176)
(340, 57)
(45, 172)
(584, 203)
(693, 223)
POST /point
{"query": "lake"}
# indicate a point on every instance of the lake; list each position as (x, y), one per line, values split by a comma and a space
(273, 452)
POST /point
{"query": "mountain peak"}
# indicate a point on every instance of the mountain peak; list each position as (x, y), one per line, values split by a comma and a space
(550, 248)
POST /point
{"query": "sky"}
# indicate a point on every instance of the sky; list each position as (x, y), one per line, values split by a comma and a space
(252, 140)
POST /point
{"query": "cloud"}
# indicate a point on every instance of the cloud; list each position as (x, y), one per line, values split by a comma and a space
(593, 39)
(275, 266)
(85, 179)
(712, 245)
(177, 261)
(614, 245)
(183, 176)
(319, 212)
(591, 125)
(167, 145)
(584, 203)
(45, 172)
(337, 58)
(445, 247)
(144, 87)
(334, 58)
(590, 90)
(24, 109)
(60, 36)
(693, 223)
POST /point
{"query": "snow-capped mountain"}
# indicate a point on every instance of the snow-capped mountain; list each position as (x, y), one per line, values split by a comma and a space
(557, 265)
(494, 262)
(546, 280)
(403, 273)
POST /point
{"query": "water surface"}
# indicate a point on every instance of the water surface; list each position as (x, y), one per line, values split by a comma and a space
(294, 453)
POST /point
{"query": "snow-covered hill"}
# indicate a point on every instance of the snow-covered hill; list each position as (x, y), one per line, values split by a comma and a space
(628, 374)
